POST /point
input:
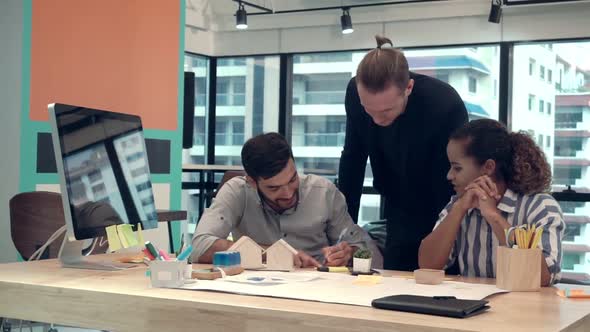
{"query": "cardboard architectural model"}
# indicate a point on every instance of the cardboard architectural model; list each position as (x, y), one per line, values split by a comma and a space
(279, 256)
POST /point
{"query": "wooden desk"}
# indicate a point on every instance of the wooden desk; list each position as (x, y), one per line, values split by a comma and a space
(124, 301)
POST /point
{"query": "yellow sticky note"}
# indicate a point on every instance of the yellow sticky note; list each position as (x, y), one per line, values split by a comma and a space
(113, 238)
(140, 235)
(367, 280)
(126, 235)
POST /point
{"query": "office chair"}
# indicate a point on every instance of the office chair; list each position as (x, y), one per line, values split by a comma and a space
(228, 175)
(36, 217)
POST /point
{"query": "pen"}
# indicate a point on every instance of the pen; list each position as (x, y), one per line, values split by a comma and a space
(340, 237)
(164, 255)
(148, 254)
(181, 248)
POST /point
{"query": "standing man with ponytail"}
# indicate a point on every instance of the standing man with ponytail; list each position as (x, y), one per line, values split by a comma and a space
(402, 122)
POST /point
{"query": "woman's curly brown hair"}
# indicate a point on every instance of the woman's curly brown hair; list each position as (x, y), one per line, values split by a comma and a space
(530, 171)
(519, 161)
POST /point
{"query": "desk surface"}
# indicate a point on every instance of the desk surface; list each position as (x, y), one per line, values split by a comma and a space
(124, 301)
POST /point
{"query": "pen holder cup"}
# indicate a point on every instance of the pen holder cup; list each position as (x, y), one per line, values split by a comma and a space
(518, 269)
(167, 274)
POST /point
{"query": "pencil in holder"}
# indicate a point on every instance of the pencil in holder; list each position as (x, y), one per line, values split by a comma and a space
(518, 269)
(167, 274)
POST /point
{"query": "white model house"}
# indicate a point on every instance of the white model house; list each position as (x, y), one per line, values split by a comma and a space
(250, 253)
(279, 256)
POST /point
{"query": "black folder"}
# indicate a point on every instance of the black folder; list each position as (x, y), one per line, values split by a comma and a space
(438, 305)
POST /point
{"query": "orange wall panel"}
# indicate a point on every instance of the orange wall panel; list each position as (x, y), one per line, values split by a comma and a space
(118, 55)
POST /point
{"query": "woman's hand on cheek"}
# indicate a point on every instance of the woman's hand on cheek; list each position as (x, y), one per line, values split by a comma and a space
(488, 186)
(486, 204)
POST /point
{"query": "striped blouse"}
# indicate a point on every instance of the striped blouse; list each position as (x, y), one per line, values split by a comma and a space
(475, 243)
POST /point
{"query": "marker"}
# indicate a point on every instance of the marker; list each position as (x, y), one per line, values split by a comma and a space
(184, 255)
(152, 250)
(148, 254)
(164, 255)
(332, 269)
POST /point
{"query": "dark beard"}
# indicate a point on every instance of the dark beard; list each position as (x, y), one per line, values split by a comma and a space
(274, 205)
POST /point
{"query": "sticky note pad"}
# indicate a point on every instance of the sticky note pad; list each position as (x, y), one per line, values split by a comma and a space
(113, 238)
(367, 280)
(126, 235)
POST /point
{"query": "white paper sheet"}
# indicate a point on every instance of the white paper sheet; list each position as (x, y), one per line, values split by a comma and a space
(339, 288)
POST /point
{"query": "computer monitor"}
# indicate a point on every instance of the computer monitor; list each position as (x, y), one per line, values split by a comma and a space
(104, 175)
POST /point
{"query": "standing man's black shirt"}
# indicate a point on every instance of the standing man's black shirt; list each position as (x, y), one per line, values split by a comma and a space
(409, 163)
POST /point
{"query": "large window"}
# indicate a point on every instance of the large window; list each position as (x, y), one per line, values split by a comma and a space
(319, 86)
(564, 118)
(196, 154)
(318, 118)
(473, 71)
(550, 100)
(319, 89)
(320, 130)
(200, 66)
(247, 103)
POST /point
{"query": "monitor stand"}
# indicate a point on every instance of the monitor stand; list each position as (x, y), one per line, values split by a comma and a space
(70, 256)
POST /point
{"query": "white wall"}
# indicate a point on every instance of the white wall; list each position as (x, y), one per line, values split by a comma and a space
(197, 37)
(444, 23)
(11, 31)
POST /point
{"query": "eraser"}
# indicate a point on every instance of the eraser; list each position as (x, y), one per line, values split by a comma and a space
(429, 276)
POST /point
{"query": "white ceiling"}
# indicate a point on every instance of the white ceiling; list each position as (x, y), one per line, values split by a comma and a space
(225, 7)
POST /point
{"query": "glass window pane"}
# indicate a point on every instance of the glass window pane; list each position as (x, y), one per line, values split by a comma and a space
(561, 127)
(473, 71)
(247, 103)
(370, 209)
(319, 86)
(200, 66)
(196, 154)
(318, 119)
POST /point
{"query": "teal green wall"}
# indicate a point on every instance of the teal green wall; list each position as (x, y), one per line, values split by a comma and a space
(29, 178)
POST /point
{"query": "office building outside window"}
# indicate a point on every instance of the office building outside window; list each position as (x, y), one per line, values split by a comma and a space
(566, 122)
(319, 87)
(196, 154)
(200, 66)
(247, 103)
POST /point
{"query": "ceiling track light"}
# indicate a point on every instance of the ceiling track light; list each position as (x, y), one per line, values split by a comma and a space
(241, 17)
(346, 21)
(495, 12)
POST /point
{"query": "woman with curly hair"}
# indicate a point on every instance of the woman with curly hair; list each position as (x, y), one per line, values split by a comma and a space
(501, 180)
